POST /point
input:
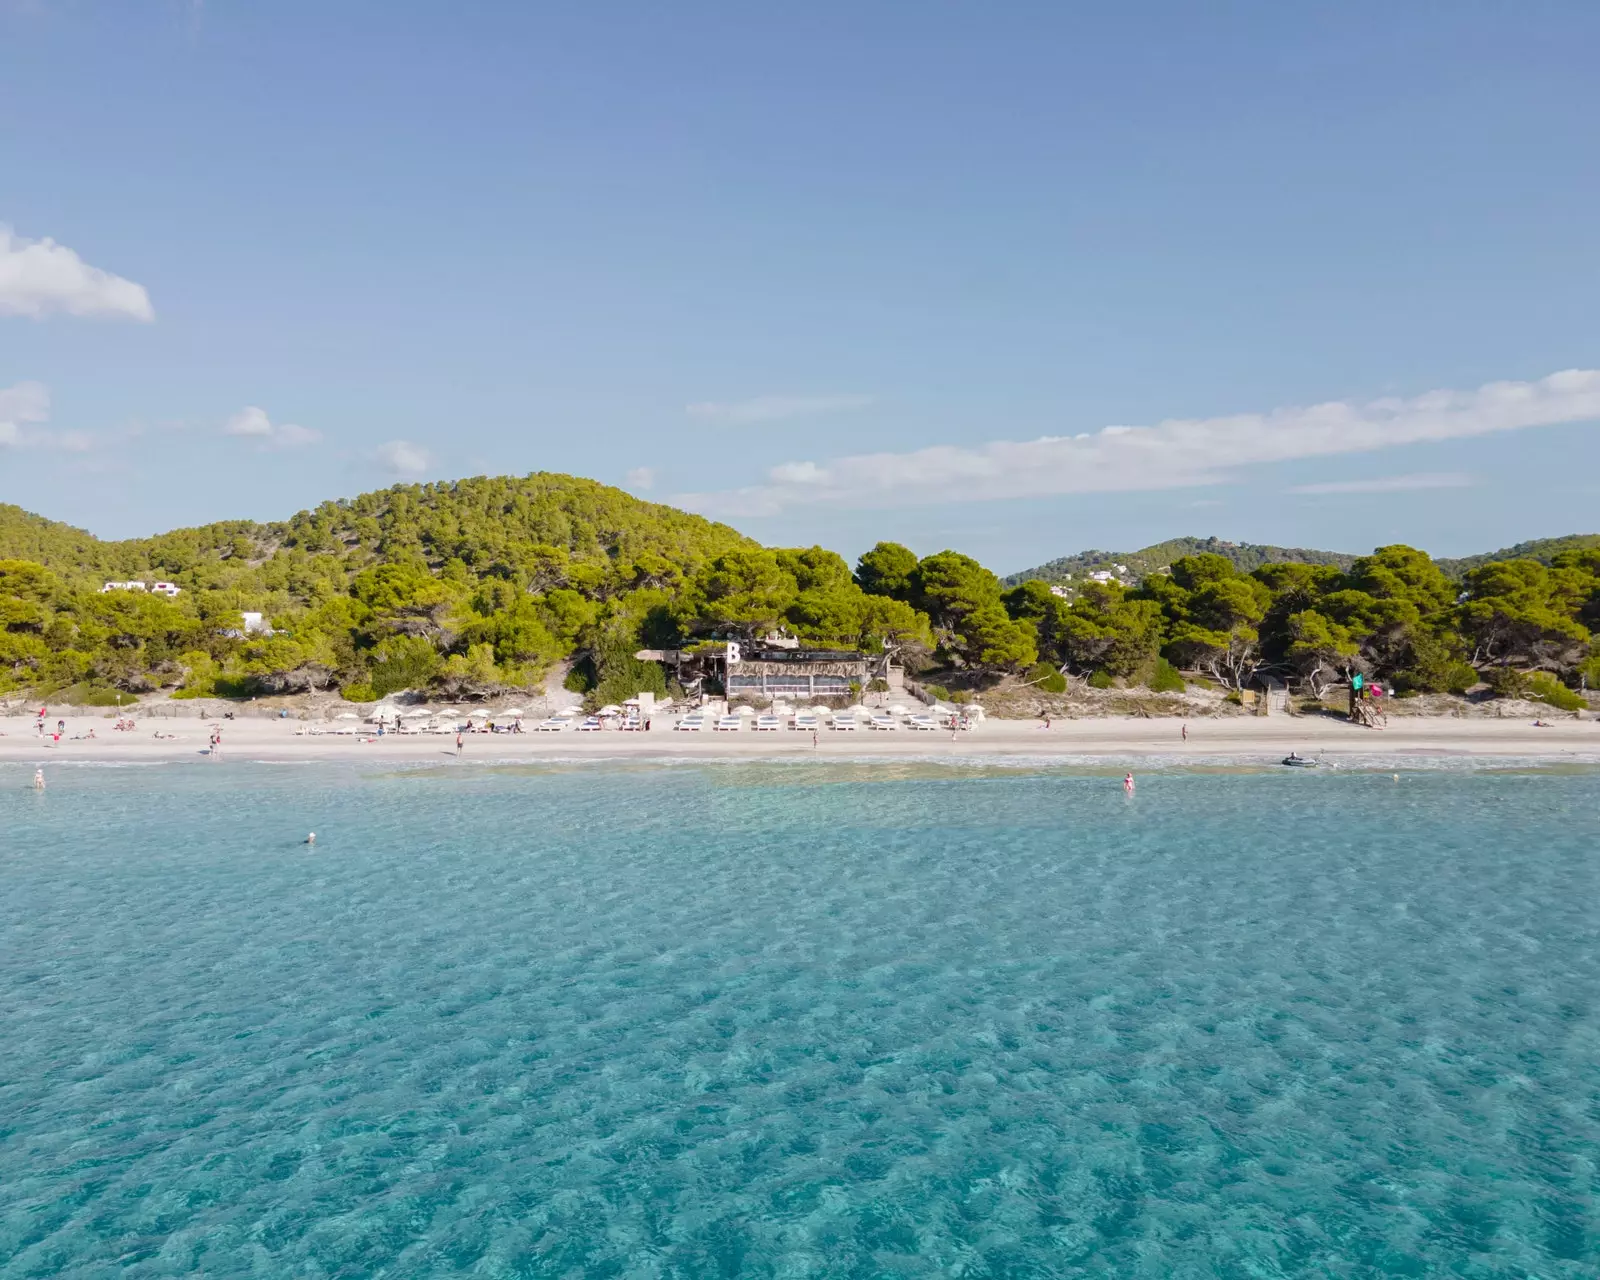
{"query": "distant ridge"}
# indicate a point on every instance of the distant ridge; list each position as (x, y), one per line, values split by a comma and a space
(1544, 550)
(1249, 555)
(1245, 556)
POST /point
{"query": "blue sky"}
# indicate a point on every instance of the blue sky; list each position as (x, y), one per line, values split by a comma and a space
(833, 272)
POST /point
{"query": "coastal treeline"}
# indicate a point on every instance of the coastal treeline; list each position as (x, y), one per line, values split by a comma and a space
(465, 589)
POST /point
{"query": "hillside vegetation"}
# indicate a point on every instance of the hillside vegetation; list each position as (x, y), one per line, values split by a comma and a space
(469, 588)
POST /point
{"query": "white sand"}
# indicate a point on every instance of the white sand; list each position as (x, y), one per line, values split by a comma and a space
(1241, 739)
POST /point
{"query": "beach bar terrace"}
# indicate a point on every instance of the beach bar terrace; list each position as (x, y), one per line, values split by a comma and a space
(759, 672)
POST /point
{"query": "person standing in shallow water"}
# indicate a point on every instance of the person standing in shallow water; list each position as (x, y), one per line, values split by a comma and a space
(1127, 784)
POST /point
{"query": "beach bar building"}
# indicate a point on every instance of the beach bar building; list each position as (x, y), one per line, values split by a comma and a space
(761, 672)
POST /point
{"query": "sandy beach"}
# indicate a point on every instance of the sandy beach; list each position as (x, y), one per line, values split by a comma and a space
(1243, 740)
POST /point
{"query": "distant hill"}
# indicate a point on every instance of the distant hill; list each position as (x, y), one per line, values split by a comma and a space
(1541, 549)
(1249, 555)
(1245, 556)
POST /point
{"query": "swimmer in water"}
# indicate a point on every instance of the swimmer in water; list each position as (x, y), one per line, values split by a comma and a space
(310, 839)
(38, 779)
(1127, 783)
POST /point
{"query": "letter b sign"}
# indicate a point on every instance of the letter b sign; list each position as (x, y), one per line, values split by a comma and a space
(733, 652)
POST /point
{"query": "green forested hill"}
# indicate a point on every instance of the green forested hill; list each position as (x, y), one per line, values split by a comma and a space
(480, 522)
(25, 536)
(1544, 550)
(1249, 556)
(464, 586)
(1244, 556)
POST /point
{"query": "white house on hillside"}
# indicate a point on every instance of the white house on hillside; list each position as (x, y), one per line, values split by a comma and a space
(167, 589)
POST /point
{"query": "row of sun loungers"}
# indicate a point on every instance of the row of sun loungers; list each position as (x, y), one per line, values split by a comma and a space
(805, 722)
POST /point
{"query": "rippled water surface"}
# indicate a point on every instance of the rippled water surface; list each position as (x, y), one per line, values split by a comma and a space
(783, 1020)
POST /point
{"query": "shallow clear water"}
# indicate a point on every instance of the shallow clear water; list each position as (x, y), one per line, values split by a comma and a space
(874, 1021)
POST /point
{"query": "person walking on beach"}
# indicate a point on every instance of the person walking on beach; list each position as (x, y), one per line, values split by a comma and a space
(1186, 731)
(458, 743)
(813, 739)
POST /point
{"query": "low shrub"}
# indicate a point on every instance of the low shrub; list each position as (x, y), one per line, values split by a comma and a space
(1102, 680)
(1166, 678)
(358, 693)
(86, 695)
(1235, 697)
(1460, 677)
(1046, 679)
(1507, 682)
(1547, 689)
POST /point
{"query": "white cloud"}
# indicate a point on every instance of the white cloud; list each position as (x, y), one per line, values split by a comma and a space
(1178, 453)
(797, 473)
(41, 276)
(641, 478)
(739, 413)
(20, 405)
(402, 458)
(252, 423)
(1391, 484)
(249, 421)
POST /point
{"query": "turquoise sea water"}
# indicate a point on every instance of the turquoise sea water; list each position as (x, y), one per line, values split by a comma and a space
(784, 1020)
